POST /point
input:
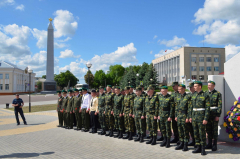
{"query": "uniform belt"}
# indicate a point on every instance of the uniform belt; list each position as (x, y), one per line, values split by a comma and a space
(213, 108)
(166, 109)
(198, 109)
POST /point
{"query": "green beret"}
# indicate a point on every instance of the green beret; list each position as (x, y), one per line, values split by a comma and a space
(174, 83)
(191, 85)
(164, 87)
(127, 88)
(70, 91)
(80, 90)
(139, 89)
(198, 82)
(104, 89)
(84, 89)
(182, 85)
(150, 87)
(64, 91)
(75, 90)
(109, 86)
(211, 82)
(58, 92)
(117, 87)
(101, 87)
(131, 87)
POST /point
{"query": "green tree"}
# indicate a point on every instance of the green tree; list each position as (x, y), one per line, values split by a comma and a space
(91, 78)
(44, 76)
(150, 77)
(63, 79)
(39, 85)
(99, 78)
(141, 73)
(129, 79)
(115, 74)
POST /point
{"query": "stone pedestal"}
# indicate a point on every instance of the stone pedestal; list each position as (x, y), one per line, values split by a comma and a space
(49, 87)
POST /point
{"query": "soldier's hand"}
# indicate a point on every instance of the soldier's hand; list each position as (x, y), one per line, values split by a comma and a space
(176, 119)
(130, 114)
(95, 113)
(204, 122)
(111, 112)
(86, 111)
(187, 121)
(155, 117)
(133, 116)
(123, 114)
(120, 115)
(104, 112)
(65, 111)
(169, 119)
(216, 118)
(190, 120)
(158, 117)
(70, 112)
(73, 111)
(142, 117)
(80, 110)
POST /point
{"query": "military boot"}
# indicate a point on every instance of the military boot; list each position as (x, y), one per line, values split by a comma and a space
(120, 135)
(117, 134)
(203, 150)
(154, 140)
(185, 147)
(214, 147)
(160, 139)
(164, 142)
(175, 139)
(130, 136)
(192, 143)
(209, 145)
(138, 138)
(168, 143)
(111, 133)
(108, 133)
(150, 141)
(180, 146)
(197, 150)
(103, 132)
(127, 136)
(141, 139)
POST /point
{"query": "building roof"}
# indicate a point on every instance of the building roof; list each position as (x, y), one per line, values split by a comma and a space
(5, 64)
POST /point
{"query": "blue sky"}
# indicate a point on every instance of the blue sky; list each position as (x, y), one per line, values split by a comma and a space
(113, 32)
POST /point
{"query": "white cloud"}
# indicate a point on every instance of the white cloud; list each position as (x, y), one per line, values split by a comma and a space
(68, 54)
(20, 7)
(65, 40)
(6, 2)
(41, 36)
(163, 52)
(174, 42)
(231, 50)
(151, 52)
(155, 36)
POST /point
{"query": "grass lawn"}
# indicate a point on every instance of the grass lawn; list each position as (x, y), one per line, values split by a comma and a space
(38, 108)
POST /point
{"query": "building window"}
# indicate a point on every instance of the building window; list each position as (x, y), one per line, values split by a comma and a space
(209, 68)
(201, 59)
(1, 76)
(201, 77)
(193, 59)
(201, 68)
(0, 64)
(6, 76)
(209, 59)
(1, 87)
(6, 86)
(216, 68)
(194, 77)
(216, 59)
(194, 68)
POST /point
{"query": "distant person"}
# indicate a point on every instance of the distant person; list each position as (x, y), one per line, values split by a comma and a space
(18, 104)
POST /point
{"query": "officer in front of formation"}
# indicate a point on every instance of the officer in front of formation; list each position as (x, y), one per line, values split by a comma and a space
(215, 113)
(77, 100)
(59, 108)
(165, 115)
(101, 109)
(69, 110)
(139, 114)
(64, 107)
(200, 107)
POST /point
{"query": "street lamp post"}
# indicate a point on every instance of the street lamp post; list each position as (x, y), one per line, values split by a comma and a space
(30, 72)
(89, 65)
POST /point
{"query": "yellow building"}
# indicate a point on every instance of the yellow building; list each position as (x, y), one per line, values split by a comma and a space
(14, 80)
(194, 63)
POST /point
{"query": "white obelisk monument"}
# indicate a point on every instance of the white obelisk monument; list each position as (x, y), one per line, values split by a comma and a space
(49, 85)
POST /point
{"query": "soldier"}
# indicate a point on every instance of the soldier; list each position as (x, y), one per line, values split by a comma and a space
(151, 111)
(64, 107)
(165, 115)
(158, 122)
(127, 113)
(215, 113)
(174, 123)
(181, 116)
(69, 110)
(131, 91)
(85, 108)
(109, 102)
(59, 108)
(138, 113)
(117, 112)
(144, 124)
(77, 100)
(101, 109)
(200, 107)
(123, 92)
(190, 127)
(80, 92)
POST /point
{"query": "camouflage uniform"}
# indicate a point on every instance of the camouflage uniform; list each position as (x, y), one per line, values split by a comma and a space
(128, 109)
(109, 102)
(101, 109)
(144, 123)
(189, 125)
(64, 108)
(138, 111)
(117, 109)
(70, 115)
(77, 100)
(151, 110)
(60, 114)
(199, 100)
(174, 123)
(165, 111)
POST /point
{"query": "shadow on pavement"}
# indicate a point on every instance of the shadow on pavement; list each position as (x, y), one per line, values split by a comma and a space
(25, 155)
(37, 124)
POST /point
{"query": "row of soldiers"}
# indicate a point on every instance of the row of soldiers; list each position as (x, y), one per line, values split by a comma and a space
(191, 114)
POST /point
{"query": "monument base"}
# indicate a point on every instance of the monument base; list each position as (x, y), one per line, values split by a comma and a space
(49, 87)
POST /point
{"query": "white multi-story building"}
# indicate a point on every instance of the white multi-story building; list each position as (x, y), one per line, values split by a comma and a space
(14, 80)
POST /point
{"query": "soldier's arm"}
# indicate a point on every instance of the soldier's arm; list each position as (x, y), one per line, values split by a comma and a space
(219, 110)
(187, 105)
(156, 106)
(131, 104)
(143, 103)
(171, 107)
(190, 107)
(176, 108)
(207, 107)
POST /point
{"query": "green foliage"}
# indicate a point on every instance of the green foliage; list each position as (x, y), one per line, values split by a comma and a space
(150, 77)
(63, 78)
(91, 78)
(135, 68)
(99, 79)
(142, 72)
(44, 76)
(39, 85)
(129, 79)
(115, 74)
